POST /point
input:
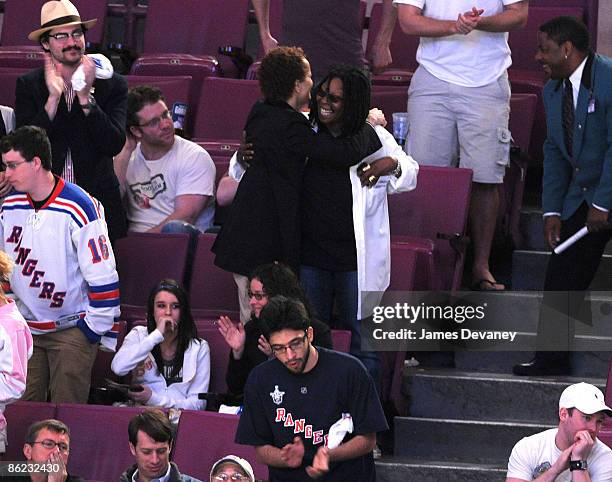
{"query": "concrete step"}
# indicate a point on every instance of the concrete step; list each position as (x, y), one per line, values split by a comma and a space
(529, 269)
(446, 439)
(589, 364)
(520, 311)
(462, 395)
(399, 469)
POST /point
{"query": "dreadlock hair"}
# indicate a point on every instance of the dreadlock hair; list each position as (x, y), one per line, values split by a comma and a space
(356, 95)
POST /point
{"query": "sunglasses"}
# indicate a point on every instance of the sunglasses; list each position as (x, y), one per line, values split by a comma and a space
(331, 98)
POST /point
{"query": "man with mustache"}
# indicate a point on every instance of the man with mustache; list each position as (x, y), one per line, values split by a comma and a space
(86, 127)
(310, 412)
(547, 456)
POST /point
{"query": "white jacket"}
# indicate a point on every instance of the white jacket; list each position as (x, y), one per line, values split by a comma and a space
(137, 347)
(371, 222)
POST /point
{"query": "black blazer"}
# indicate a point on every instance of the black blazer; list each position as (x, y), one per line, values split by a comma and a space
(93, 140)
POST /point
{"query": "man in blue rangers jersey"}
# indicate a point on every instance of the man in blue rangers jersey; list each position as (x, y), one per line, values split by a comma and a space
(65, 282)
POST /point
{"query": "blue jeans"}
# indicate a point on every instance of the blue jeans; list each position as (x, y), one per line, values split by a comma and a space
(322, 287)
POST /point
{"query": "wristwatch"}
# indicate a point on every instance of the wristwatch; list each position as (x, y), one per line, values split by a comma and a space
(91, 103)
(578, 465)
(397, 172)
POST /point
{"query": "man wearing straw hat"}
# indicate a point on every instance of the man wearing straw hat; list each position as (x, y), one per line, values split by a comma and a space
(81, 104)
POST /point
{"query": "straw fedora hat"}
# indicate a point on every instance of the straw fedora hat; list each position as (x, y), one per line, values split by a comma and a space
(59, 13)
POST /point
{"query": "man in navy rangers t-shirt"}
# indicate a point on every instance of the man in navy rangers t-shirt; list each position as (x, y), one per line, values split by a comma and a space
(292, 401)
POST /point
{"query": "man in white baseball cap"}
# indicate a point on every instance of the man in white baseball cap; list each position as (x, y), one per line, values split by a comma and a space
(232, 468)
(572, 451)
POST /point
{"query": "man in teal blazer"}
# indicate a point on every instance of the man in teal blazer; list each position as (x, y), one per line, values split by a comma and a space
(577, 184)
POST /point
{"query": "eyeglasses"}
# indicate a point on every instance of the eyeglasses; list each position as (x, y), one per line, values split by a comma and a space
(11, 166)
(295, 345)
(51, 444)
(63, 36)
(232, 477)
(257, 296)
(156, 120)
(334, 99)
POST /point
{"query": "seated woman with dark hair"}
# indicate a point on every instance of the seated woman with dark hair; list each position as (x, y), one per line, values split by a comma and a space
(249, 346)
(166, 357)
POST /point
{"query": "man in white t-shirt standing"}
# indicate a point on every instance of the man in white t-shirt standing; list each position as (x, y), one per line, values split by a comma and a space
(459, 101)
(164, 178)
(572, 451)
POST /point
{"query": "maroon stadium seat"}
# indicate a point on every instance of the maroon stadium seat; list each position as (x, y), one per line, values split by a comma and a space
(176, 89)
(102, 365)
(143, 259)
(223, 108)
(523, 42)
(20, 18)
(220, 150)
(198, 67)
(389, 99)
(436, 210)
(19, 416)
(403, 51)
(8, 83)
(341, 340)
(213, 290)
(522, 115)
(204, 437)
(26, 58)
(98, 439)
(219, 354)
(194, 27)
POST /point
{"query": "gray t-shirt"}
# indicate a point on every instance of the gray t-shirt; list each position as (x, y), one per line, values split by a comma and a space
(328, 31)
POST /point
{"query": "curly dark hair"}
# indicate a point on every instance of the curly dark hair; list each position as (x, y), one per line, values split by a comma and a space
(279, 70)
(282, 313)
(138, 97)
(279, 279)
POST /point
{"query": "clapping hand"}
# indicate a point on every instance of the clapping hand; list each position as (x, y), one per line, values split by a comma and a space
(320, 464)
(53, 79)
(293, 453)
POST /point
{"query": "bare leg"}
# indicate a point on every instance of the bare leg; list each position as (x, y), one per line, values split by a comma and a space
(483, 216)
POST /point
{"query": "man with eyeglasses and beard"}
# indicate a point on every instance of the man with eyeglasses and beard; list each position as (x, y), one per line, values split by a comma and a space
(46, 450)
(309, 412)
(84, 118)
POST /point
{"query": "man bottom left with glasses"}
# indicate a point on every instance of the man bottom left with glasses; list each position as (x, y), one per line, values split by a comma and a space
(46, 450)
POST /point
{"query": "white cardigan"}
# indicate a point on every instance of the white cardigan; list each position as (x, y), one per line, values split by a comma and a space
(371, 222)
(137, 347)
